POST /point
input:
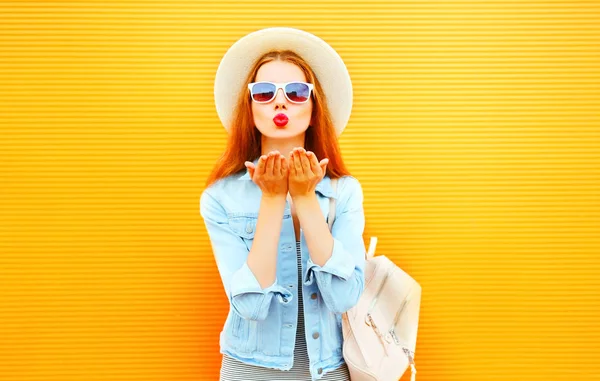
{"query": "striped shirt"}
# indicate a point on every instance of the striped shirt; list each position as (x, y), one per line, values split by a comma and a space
(235, 370)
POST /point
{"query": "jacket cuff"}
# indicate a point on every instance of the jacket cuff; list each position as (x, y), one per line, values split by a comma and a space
(244, 285)
(340, 264)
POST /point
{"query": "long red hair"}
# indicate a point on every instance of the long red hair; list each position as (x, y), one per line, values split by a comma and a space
(244, 139)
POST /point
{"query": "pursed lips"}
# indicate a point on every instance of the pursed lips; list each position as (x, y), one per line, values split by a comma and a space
(281, 120)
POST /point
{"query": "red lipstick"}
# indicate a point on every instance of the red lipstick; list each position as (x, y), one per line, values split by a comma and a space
(280, 120)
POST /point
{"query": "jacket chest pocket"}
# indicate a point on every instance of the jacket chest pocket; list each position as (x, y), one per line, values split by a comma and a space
(244, 226)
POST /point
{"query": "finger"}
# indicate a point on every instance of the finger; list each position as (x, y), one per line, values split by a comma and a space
(261, 164)
(284, 166)
(305, 163)
(292, 164)
(298, 162)
(277, 164)
(269, 169)
(314, 163)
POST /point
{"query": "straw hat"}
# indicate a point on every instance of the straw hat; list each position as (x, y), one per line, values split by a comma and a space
(325, 62)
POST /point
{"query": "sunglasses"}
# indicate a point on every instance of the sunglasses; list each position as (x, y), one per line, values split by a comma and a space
(295, 92)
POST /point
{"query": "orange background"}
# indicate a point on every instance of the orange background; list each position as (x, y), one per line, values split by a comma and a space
(475, 133)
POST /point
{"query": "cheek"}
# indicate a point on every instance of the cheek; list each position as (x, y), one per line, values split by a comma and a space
(258, 113)
(306, 113)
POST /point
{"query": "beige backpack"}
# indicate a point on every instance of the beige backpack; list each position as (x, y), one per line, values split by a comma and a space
(380, 332)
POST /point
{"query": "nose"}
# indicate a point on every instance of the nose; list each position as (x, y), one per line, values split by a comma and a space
(280, 99)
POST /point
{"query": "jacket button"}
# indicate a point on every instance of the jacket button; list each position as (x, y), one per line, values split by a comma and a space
(320, 370)
(313, 295)
(249, 228)
(316, 335)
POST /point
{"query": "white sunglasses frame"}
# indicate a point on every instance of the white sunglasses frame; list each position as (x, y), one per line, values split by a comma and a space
(281, 85)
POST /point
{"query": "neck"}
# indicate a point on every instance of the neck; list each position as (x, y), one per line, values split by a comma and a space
(284, 146)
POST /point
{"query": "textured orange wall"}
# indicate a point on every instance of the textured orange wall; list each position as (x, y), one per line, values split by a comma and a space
(475, 133)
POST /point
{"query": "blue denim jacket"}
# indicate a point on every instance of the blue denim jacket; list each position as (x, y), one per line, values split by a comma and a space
(260, 328)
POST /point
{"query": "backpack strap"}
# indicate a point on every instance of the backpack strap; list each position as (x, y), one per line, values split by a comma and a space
(331, 217)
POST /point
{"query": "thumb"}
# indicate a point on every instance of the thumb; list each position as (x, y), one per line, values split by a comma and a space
(323, 164)
(250, 167)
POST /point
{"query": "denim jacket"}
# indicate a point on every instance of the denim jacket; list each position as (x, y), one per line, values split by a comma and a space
(260, 328)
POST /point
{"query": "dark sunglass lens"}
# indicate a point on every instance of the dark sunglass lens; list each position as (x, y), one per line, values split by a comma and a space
(263, 92)
(297, 91)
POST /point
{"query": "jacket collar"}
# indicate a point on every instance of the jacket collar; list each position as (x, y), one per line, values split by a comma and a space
(323, 187)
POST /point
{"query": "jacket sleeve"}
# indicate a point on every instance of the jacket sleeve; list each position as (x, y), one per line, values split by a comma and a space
(341, 279)
(244, 292)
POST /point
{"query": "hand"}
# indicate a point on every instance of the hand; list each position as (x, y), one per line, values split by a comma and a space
(305, 172)
(270, 174)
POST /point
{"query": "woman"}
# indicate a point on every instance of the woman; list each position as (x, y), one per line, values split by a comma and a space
(287, 277)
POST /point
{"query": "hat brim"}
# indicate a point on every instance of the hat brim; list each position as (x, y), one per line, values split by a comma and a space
(325, 62)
